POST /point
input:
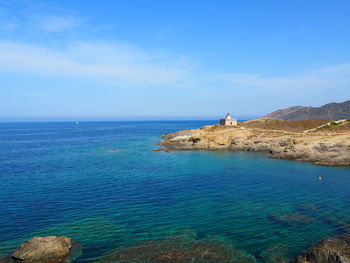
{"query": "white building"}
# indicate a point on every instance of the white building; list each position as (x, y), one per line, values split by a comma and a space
(228, 121)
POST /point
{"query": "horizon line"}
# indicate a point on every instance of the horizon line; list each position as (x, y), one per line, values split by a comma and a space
(102, 119)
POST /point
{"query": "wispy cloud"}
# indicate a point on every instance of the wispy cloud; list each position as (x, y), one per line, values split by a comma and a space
(8, 25)
(119, 64)
(7, 22)
(128, 65)
(29, 17)
(327, 77)
(54, 23)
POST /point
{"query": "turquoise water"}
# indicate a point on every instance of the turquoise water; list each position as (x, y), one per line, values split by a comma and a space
(64, 179)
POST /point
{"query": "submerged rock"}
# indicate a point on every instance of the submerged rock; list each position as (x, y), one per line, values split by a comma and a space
(329, 250)
(6, 260)
(50, 249)
(338, 221)
(177, 250)
(308, 207)
(275, 254)
(291, 219)
(157, 150)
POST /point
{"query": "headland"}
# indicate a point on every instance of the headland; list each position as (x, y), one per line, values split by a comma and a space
(323, 142)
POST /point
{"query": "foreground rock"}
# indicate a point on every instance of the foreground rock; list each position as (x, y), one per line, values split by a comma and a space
(322, 147)
(329, 250)
(50, 249)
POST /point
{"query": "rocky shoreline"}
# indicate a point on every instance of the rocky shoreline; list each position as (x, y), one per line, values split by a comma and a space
(52, 249)
(319, 146)
(329, 250)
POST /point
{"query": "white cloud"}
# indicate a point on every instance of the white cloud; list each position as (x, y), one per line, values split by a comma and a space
(113, 63)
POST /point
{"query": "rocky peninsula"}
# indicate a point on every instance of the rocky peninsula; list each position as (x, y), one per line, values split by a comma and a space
(323, 142)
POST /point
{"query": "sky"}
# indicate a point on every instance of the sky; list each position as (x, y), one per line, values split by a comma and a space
(110, 60)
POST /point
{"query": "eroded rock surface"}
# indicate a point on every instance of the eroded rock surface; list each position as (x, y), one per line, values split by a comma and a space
(318, 147)
(50, 249)
(329, 250)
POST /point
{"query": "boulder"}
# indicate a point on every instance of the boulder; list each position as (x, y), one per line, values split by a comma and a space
(329, 250)
(50, 249)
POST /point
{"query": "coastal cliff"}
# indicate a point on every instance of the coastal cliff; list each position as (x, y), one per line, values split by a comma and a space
(322, 142)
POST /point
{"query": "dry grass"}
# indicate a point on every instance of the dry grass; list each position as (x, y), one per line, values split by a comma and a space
(281, 125)
(284, 126)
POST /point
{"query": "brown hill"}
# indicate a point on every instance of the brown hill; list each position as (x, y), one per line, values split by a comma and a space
(329, 111)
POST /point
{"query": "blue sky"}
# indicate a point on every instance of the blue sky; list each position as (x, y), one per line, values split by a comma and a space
(170, 59)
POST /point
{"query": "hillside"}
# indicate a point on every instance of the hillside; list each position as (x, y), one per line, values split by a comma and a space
(329, 111)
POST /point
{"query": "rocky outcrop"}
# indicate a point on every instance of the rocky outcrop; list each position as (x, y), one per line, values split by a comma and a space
(319, 148)
(329, 250)
(50, 249)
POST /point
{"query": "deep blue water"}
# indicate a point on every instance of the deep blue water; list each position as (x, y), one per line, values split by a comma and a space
(63, 179)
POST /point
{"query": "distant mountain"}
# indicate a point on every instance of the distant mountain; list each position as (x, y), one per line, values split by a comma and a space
(328, 111)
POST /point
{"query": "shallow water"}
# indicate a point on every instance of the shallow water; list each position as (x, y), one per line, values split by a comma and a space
(64, 179)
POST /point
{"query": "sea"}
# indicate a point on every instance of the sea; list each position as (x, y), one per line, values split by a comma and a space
(102, 184)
